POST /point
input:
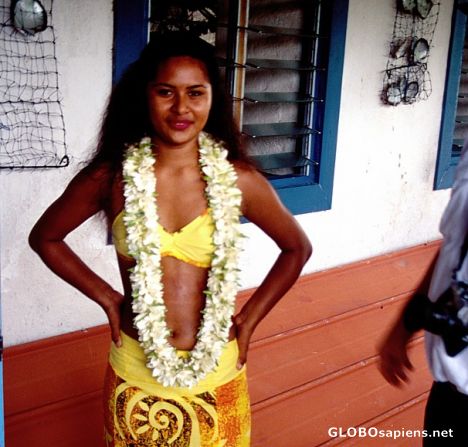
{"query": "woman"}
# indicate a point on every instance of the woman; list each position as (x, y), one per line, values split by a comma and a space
(176, 374)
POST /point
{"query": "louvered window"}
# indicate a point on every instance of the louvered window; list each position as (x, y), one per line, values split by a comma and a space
(275, 73)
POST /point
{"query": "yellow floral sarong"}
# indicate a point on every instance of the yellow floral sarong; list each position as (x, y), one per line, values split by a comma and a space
(140, 412)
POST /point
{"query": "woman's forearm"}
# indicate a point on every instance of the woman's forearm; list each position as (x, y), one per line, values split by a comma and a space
(278, 281)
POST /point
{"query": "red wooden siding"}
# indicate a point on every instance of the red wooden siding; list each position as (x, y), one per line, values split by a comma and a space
(312, 366)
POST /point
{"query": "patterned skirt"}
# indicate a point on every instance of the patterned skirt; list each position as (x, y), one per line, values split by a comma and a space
(140, 412)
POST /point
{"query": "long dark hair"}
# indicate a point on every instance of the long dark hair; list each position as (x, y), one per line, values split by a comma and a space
(126, 119)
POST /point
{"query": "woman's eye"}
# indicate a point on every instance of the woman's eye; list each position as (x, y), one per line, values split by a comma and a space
(196, 93)
(164, 92)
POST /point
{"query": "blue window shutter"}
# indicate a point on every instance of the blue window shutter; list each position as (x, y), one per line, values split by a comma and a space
(130, 33)
(447, 158)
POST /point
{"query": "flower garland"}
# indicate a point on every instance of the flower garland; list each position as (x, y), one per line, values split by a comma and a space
(141, 221)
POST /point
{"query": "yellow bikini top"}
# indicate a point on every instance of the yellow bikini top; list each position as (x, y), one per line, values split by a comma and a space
(192, 244)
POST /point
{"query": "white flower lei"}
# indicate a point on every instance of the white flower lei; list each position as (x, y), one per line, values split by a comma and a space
(141, 221)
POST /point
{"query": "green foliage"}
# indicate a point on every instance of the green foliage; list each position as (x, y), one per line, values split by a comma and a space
(196, 16)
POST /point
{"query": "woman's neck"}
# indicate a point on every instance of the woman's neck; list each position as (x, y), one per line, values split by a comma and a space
(176, 156)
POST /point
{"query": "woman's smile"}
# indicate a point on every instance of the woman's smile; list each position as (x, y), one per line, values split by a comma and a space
(180, 124)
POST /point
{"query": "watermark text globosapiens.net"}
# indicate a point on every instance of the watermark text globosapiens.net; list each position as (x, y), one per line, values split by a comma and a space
(374, 432)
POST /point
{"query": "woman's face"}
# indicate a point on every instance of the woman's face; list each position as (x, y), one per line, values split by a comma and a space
(179, 100)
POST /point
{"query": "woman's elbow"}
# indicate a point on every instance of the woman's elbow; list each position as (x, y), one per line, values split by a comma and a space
(34, 240)
(306, 250)
(37, 239)
(302, 250)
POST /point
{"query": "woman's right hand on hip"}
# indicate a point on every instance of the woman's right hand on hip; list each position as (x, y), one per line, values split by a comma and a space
(111, 305)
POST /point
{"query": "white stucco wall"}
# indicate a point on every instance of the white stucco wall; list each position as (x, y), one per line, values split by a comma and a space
(36, 303)
(383, 197)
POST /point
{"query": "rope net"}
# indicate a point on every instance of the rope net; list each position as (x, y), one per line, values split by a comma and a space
(406, 78)
(32, 129)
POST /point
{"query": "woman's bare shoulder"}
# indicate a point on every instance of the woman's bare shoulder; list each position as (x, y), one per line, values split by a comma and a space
(90, 187)
(245, 171)
(84, 196)
(95, 179)
(255, 188)
(249, 178)
(99, 172)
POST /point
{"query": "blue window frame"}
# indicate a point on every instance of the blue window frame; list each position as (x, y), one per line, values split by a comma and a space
(300, 193)
(454, 123)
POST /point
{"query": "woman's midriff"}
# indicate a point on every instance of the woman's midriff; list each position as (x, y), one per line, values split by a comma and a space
(183, 286)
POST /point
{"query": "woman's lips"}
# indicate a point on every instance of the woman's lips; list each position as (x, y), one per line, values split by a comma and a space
(180, 124)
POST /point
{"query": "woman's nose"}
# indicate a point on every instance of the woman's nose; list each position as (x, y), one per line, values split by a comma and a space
(180, 104)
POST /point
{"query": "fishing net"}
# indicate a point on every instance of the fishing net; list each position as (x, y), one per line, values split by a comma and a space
(406, 78)
(32, 129)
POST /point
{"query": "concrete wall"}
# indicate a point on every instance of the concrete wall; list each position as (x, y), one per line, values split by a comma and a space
(383, 198)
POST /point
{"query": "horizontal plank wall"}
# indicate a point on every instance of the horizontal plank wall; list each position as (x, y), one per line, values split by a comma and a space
(312, 366)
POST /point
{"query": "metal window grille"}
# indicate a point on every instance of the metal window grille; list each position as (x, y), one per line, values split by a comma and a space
(276, 64)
